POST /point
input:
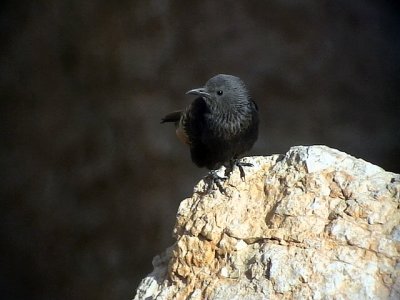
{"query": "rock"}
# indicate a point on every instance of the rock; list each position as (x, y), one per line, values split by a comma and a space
(315, 223)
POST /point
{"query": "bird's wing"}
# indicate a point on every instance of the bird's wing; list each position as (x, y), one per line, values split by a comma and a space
(194, 120)
(254, 103)
(172, 117)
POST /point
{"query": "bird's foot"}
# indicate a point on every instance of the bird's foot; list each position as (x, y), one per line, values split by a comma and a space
(216, 177)
(240, 165)
(218, 180)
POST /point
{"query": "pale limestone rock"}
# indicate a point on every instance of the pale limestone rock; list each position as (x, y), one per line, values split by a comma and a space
(313, 224)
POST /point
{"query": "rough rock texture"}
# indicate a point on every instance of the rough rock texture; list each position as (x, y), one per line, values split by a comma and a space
(314, 223)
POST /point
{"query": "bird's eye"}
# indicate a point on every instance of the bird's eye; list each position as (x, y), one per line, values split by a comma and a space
(220, 92)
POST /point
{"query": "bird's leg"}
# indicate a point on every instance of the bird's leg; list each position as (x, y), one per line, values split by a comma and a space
(217, 178)
(229, 167)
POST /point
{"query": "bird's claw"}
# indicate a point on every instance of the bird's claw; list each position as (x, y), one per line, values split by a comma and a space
(217, 179)
(240, 165)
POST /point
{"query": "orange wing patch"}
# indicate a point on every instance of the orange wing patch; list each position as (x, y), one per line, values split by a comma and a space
(182, 136)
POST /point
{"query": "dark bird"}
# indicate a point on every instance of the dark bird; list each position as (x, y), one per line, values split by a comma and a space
(220, 125)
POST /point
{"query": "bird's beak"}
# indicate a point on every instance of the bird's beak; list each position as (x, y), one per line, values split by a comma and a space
(199, 92)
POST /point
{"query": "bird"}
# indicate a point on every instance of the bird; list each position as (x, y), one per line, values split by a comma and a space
(219, 126)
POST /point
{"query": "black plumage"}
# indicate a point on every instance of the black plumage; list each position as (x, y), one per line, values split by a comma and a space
(220, 125)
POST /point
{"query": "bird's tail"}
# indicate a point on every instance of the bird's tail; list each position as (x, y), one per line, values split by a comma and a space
(173, 117)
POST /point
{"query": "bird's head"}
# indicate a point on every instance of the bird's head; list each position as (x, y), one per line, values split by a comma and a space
(225, 92)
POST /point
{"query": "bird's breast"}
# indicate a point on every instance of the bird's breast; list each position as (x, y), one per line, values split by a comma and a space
(228, 125)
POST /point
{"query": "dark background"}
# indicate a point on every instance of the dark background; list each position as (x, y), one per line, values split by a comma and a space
(91, 181)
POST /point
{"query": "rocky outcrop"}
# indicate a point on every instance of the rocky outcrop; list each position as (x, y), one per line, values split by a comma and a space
(314, 223)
